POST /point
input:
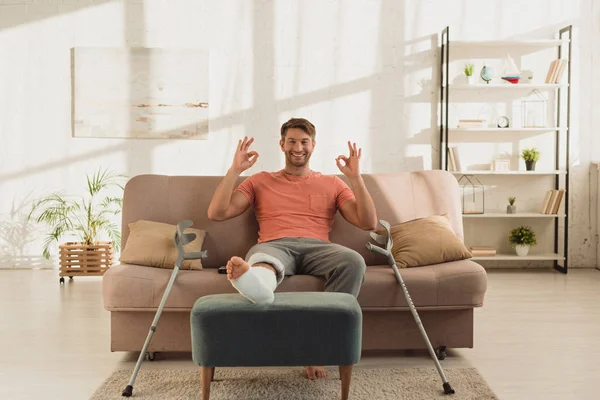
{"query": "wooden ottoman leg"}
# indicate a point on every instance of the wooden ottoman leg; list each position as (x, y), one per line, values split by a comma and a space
(345, 376)
(207, 376)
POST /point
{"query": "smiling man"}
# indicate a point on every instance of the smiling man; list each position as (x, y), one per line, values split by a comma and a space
(295, 208)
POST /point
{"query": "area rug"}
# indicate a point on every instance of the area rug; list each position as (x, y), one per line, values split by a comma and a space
(291, 384)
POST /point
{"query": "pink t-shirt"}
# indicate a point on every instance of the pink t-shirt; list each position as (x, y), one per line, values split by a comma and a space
(295, 206)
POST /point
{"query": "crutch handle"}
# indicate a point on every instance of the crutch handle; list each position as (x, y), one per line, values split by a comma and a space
(195, 256)
(377, 249)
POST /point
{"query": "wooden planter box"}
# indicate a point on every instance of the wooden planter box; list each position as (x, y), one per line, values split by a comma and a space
(79, 259)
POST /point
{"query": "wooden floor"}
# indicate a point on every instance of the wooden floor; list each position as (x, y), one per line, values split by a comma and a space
(535, 337)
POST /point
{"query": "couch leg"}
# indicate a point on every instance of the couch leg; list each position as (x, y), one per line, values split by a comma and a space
(207, 376)
(345, 376)
(441, 353)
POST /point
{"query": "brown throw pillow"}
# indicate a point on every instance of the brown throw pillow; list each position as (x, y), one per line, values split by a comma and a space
(426, 241)
(151, 244)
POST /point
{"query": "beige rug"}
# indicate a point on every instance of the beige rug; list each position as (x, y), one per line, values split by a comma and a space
(291, 384)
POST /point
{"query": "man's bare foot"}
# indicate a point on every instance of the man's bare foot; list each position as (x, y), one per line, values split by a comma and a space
(236, 267)
(313, 373)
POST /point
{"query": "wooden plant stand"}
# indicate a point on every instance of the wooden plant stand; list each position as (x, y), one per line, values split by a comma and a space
(79, 259)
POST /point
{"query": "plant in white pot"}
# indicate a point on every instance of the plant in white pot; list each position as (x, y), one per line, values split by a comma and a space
(469, 73)
(85, 219)
(511, 208)
(522, 238)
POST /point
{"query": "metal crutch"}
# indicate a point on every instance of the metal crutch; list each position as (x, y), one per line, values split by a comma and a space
(387, 241)
(180, 239)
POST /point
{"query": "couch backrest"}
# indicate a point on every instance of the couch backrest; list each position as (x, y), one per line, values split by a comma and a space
(398, 197)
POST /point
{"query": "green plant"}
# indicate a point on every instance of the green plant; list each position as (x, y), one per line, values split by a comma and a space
(522, 235)
(531, 154)
(84, 218)
(469, 69)
(511, 200)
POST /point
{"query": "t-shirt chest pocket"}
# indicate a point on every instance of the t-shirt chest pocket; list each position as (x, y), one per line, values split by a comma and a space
(318, 202)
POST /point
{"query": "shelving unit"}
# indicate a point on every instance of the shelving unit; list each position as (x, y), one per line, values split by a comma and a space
(559, 127)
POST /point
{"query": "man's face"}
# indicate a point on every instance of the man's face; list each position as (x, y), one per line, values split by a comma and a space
(298, 147)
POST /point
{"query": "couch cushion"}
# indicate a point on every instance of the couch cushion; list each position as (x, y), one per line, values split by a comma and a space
(426, 241)
(454, 284)
(151, 244)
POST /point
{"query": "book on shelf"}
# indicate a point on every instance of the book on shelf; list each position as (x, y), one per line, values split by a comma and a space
(483, 251)
(552, 201)
(556, 71)
(451, 161)
(471, 123)
(454, 159)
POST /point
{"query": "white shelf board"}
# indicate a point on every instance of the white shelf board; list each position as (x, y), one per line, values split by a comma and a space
(514, 257)
(556, 172)
(507, 86)
(549, 129)
(509, 42)
(517, 215)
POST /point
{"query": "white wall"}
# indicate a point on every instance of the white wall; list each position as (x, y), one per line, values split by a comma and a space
(365, 71)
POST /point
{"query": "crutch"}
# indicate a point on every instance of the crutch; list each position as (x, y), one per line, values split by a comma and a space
(180, 239)
(387, 241)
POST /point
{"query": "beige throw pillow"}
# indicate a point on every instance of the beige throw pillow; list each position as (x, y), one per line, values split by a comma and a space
(151, 244)
(426, 241)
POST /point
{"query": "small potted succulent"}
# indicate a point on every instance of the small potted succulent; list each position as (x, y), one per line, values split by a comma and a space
(530, 156)
(469, 73)
(522, 238)
(511, 208)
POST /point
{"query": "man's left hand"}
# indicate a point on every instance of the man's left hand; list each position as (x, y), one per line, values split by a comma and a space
(350, 167)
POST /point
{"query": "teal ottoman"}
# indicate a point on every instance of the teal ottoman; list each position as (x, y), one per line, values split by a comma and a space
(297, 329)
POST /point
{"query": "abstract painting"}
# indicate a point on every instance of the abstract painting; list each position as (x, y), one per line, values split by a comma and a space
(137, 92)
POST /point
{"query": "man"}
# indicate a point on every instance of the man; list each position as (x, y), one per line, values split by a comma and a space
(295, 208)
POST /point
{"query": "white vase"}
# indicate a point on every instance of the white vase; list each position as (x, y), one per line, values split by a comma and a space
(471, 80)
(522, 249)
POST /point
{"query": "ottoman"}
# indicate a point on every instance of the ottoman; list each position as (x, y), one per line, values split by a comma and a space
(297, 329)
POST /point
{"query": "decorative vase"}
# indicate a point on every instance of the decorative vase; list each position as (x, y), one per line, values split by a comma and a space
(471, 80)
(511, 209)
(522, 249)
(530, 165)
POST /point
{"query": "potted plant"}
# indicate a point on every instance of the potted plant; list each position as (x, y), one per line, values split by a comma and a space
(522, 238)
(85, 219)
(511, 208)
(530, 156)
(469, 73)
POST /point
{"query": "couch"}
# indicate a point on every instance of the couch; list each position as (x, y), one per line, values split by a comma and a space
(444, 294)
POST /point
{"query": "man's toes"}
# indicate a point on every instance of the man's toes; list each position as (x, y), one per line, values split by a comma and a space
(236, 260)
(310, 373)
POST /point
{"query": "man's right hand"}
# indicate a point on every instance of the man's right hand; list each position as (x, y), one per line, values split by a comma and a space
(243, 159)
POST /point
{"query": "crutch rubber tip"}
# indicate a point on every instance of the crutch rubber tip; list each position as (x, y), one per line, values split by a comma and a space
(448, 389)
(128, 391)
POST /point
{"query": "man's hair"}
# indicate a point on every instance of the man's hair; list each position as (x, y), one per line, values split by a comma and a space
(299, 123)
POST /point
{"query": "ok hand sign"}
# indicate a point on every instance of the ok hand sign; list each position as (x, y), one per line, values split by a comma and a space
(243, 159)
(350, 167)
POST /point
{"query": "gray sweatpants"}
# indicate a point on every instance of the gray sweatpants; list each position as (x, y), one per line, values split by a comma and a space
(342, 268)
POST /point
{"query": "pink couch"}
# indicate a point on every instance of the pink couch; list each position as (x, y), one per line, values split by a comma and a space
(444, 294)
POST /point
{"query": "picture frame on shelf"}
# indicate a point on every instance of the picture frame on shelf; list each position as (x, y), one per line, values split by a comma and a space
(501, 165)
